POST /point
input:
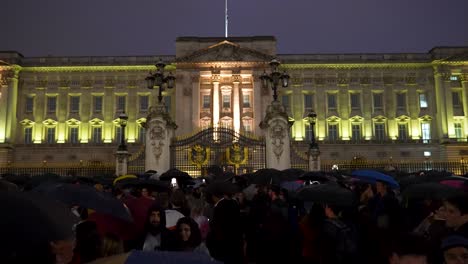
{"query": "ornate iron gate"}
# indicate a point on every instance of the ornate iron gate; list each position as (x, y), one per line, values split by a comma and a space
(220, 146)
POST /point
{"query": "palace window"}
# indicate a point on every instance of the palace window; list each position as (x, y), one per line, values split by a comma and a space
(97, 104)
(403, 131)
(333, 132)
(206, 101)
(378, 101)
(401, 101)
(308, 102)
(246, 101)
(118, 134)
(121, 103)
(356, 132)
(458, 131)
(50, 135)
(144, 103)
(331, 101)
(454, 78)
(96, 134)
(141, 134)
(308, 132)
(28, 135)
(355, 101)
(226, 101)
(422, 100)
(29, 104)
(426, 132)
(379, 130)
(247, 124)
(74, 136)
(167, 103)
(51, 104)
(285, 102)
(74, 104)
(456, 99)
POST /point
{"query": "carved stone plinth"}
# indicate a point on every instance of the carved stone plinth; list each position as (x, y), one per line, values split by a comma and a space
(277, 139)
(314, 159)
(159, 132)
(121, 162)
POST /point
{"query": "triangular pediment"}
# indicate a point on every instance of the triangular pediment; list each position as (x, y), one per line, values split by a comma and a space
(225, 51)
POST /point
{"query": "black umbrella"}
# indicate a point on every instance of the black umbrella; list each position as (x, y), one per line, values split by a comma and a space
(151, 184)
(291, 174)
(332, 194)
(20, 179)
(29, 223)
(220, 188)
(430, 190)
(43, 178)
(87, 197)
(314, 176)
(7, 186)
(266, 177)
(179, 175)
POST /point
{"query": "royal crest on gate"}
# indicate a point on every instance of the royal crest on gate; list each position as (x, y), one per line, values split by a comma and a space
(237, 155)
(199, 155)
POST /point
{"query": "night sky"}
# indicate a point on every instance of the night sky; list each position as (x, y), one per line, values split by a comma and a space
(150, 27)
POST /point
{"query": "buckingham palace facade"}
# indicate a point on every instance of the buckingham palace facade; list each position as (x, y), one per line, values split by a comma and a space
(407, 106)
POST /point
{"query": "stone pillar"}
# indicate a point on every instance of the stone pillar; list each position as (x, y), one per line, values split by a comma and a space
(236, 105)
(276, 128)
(216, 105)
(314, 159)
(159, 132)
(9, 100)
(121, 162)
(440, 95)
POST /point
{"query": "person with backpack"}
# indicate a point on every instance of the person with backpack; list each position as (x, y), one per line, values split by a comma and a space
(338, 239)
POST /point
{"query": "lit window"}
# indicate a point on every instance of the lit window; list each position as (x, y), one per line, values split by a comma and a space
(226, 101)
(379, 131)
(27, 135)
(285, 102)
(422, 100)
(355, 101)
(74, 104)
(96, 135)
(29, 104)
(97, 104)
(378, 101)
(50, 135)
(144, 103)
(167, 103)
(458, 130)
(142, 134)
(456, 102)
(247, 123)
(73, 137)
(51, 104)
(454, 78)
(246, 100)
(120, 107)
(427, 153)
(206, 101)
(118, 134)
(426, 132)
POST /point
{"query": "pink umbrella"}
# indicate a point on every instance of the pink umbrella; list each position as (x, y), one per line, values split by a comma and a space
(459, 184)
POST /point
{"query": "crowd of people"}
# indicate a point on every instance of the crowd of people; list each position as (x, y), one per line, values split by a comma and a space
(231, 221)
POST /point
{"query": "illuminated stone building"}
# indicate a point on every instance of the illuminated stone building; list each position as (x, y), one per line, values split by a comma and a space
(375, 106)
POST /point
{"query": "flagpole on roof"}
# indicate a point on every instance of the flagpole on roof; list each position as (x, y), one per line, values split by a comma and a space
(226, 22)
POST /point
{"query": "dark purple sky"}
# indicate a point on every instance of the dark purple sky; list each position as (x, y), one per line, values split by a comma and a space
(150, 27)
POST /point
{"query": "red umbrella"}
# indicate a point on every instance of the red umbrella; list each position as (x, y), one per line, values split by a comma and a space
(139, 209)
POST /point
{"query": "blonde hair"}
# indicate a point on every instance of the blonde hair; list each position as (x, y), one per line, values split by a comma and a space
(112, 245)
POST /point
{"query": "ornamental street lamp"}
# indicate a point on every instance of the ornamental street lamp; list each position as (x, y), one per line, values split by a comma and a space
(274, 78)
(159, 79)
(312, 119)
(123, 118)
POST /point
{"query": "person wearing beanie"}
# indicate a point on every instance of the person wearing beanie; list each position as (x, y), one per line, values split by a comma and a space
(455, 250)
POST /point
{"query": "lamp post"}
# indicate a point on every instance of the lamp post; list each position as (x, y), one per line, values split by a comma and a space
(123, 118)
(160, 79)
(314, 152)
(274, 78)
(312, 119)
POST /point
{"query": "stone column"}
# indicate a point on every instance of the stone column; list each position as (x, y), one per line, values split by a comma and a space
(159, 132)
(440, 95)
(8, 111)
(236, 105)
(465, 102)
(276, 128)
(121, 162)
(216, 105)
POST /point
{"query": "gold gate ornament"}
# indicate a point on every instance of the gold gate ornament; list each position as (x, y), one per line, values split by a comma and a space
(236, 155)
(199, 155)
